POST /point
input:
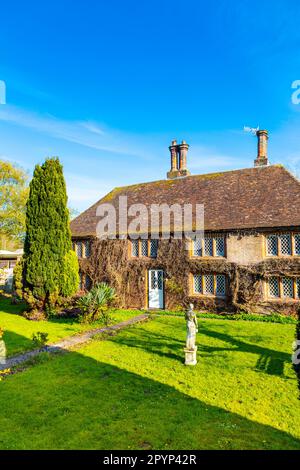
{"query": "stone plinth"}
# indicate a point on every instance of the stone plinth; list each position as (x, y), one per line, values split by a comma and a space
(190, 356)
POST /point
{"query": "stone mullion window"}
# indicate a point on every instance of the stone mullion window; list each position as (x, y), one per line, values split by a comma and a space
(208, 247)
(211, 285)
(283, 244)
(288, 287)
(144, 248)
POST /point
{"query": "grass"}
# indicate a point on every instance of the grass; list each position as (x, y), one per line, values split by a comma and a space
(272, 318)
(18, 330)
(132, 391)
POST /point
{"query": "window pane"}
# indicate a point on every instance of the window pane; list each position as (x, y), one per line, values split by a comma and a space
(153, 280)
(285, 244)
(160, 280)
(287, 287)
(220, 246)
(144, 247)
(80, 281)
(272, 245)
(79, 249)
(208, 284)
(208, 247)
(88, 282)
(220, 285)
(153, 248)
(135, 248)
(297, 288)
(198, 284)
(297, 244)
(274, 287)
(87, 246)
(197, 247)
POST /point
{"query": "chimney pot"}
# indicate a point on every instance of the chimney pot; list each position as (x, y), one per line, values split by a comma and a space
(178, 160)
(262, 148)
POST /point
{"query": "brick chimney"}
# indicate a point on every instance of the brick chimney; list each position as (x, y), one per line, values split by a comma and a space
(262, 148)
(178, 160)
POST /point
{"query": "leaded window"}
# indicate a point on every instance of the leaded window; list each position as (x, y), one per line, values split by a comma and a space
(79, 249)
(209, 246)
(87, 248)
(274, 290)
(297, 290)
(198, 283)
(208, 287)
(220, 285)
(197, 247)
(210, 284)
(272, 245)
(284, 287)
(144, 247)
(285, 244)
(88, 282)
(220, 246)
(287, 287)
(160, 280)
(297, 244)
(153, 248)
(135, 248)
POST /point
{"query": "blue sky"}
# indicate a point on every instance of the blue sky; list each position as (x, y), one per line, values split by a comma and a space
(107, 85)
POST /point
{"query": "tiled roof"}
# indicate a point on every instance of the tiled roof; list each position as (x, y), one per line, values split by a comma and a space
(260, 197)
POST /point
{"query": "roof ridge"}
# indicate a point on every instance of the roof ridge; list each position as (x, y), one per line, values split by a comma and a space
(181, 178)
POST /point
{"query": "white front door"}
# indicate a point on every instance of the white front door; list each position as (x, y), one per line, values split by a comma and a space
(156, 288)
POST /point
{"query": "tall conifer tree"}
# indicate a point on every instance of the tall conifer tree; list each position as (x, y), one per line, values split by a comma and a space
(50, 266)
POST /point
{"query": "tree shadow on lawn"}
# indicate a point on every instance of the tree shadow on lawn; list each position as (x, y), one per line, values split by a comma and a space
(7, 306)
(270, 361)
(16, 344)
(73, 401)
(162, 345)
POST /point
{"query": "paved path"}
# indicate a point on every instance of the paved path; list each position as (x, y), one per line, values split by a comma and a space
(69, 342)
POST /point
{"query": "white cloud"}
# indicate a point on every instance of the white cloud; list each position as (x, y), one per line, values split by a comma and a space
(86, 133)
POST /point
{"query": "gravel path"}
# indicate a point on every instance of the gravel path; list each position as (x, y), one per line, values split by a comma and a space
(69, 342)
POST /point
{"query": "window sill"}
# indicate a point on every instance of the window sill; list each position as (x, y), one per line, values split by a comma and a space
(208, 296)
(282, 256)
(208, 257)
(281, 300)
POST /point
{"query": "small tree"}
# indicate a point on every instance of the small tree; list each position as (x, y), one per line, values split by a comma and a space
(13, 197)
(50, 268)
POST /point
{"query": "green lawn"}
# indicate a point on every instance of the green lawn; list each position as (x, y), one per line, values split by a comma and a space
(18, 331)
(132, 391)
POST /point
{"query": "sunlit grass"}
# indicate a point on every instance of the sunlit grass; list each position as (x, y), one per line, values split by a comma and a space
(18, 330)
(132, 391)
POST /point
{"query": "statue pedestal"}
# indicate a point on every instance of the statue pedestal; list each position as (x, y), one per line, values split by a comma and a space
(190, 356)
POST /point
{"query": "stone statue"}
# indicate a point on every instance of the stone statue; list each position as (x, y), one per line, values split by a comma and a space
(192, 328)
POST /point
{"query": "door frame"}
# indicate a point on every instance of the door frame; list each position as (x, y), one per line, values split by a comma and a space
(147, 289)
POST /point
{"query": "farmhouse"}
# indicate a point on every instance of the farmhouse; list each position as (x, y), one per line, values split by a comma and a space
(248, 259)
